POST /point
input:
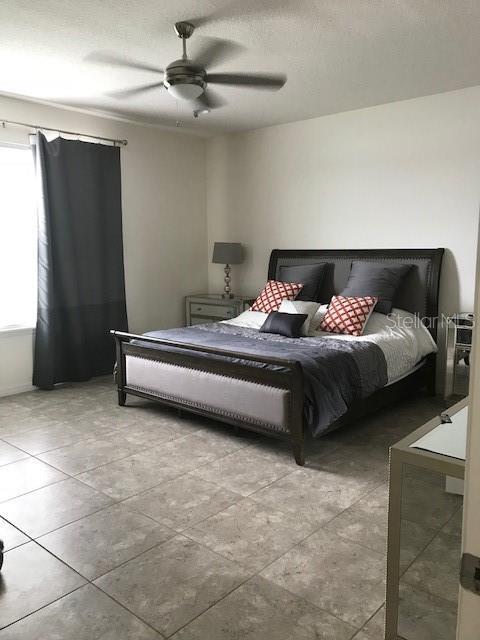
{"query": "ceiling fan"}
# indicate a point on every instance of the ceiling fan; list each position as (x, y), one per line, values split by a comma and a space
(187, 79)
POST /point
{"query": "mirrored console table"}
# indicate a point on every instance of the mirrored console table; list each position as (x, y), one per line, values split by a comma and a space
(458, 344)
(424, 529)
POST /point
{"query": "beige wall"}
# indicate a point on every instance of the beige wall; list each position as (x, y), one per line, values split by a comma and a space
(405, 174)
(163, 196)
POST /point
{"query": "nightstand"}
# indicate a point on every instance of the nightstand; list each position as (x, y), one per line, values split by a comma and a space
(457, 353)
(212, 307)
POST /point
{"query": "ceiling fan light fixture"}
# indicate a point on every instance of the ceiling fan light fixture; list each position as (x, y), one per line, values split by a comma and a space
(185, 91)
(184, 80)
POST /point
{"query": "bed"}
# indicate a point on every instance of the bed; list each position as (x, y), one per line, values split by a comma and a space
(282, 386)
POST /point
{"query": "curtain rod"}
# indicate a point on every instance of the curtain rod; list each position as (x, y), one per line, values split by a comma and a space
(70, 133)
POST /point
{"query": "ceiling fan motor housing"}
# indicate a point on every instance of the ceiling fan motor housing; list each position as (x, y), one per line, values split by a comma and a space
(185, 80)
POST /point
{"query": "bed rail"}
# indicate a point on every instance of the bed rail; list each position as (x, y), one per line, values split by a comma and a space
(267, 371)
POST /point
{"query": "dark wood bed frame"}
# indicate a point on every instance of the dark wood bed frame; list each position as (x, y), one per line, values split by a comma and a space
(418, 294)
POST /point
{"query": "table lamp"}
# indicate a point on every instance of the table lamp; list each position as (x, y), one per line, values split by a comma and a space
(227, 253)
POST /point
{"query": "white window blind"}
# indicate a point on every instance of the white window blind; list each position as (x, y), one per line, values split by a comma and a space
(18, 238)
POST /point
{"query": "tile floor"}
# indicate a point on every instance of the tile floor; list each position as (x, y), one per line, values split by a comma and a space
(136, 523)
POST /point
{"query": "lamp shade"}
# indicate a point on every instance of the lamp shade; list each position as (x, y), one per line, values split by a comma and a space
(227, 253)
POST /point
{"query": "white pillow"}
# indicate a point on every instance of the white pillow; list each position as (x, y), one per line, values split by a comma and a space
(248, 319)
(301, 306)
(317, 318)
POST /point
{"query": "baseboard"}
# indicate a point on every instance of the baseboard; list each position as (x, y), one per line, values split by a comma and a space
(11, 391)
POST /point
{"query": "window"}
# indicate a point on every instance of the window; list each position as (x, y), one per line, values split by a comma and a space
(18, 238)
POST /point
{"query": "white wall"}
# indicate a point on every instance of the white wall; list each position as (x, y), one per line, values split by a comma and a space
(16, 349)
(405, 174)
(164, 222)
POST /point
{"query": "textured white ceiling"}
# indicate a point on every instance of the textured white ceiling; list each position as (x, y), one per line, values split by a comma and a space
(337, 54)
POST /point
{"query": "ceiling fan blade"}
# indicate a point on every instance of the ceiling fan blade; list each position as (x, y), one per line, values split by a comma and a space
(256, 80)
(116, 61)
(210, 100)
(216, 51)
(128, 93)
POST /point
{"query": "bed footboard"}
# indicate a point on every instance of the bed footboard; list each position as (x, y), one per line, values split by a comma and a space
(257, 393)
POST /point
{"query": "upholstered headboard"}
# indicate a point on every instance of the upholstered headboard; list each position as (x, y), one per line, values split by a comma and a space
(417, 294)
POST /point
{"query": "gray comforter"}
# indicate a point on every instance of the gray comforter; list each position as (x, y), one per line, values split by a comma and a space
(336, 372)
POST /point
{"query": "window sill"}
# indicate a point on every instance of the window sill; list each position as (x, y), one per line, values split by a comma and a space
(13, 332)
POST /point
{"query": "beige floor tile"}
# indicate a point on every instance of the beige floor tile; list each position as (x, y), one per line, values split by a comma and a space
(337, 575)
(455, 524)
(11, 536)
(426, 503)
(9, 406)
(129, 476)
(46, 438)
(32, 578)
(25, 420)
(10, 454)
(366, 521)
(87, 454)
(203, 446)
(436, 569)
(48, 508)
(26, 475)
(144, 435)
(375, 627)
(244, 472)
(361, 635)
(261, 610)
(102, 541)
(183, 502)
(315, 496)
(350, 461)
(70, 408)
(249, 533)
(152, 466)
(425, 617)
(414, 538)
(85, 614)
(173, 583)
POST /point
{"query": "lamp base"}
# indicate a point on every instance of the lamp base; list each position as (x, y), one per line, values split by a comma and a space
(226, 289)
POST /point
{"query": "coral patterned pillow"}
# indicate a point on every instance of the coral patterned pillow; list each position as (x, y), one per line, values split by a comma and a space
(348, 315)
(273, 293)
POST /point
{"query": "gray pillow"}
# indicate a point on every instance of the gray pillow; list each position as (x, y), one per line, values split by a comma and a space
(284, 324)
(310, 275)
(374, 279)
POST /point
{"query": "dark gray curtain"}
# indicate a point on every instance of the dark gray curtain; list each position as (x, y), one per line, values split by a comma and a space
(81, 289)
